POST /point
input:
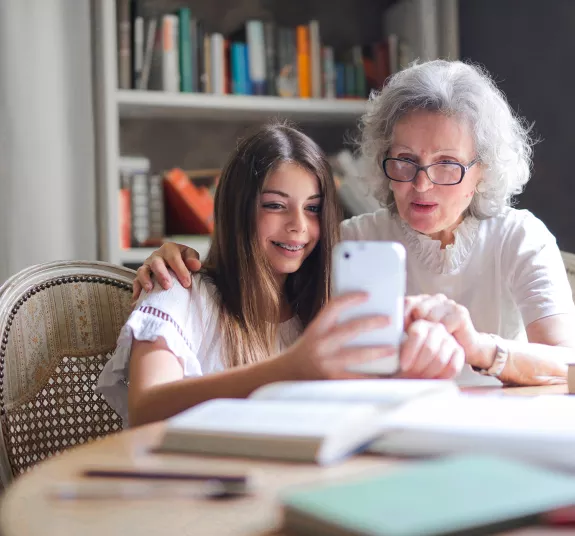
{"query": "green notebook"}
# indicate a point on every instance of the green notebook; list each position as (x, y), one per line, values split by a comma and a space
(469, 494)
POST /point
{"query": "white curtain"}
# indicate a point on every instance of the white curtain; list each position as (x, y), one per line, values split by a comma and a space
(47, 178)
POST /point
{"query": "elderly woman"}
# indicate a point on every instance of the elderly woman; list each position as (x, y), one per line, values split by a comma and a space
(447, 155)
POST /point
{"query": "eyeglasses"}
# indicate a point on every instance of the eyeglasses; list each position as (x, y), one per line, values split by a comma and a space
(442, 173)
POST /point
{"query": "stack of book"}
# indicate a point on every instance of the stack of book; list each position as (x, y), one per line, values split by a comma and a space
(153, 205)
(176, 52)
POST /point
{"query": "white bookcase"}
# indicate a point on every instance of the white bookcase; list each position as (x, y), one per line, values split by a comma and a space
(112, 105)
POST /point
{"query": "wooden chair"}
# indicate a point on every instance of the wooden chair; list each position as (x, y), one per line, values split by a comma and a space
(58, 325)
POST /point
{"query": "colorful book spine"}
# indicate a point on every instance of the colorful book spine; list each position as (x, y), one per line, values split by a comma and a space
(218, 65)
(185, 50)
(329, 77)
(257, 56)
(190, 205)
(124, 44)
(340, 80)
(315, 60)
(144, 81)
(303, 61)
(239, 69)
(271, 57)
(170, 57)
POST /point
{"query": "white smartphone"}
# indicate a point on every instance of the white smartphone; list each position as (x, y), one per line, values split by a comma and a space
(377, 268)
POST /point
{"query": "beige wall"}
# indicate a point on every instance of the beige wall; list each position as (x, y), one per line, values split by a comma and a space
(47, 181)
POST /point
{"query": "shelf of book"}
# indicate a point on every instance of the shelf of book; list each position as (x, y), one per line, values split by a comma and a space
(163, 104)
(138, 255)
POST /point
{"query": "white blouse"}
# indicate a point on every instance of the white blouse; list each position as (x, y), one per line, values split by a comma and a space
(187, 319)
(507, 270)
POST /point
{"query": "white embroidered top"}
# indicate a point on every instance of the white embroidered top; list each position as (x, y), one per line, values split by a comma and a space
(187, 319)
(507, 270)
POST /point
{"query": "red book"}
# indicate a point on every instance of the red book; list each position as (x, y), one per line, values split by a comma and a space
(191, 206)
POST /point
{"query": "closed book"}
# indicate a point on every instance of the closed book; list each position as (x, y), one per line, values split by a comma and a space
(257, 56)
(138, 44)
(140, 209)
(207, 76)
(217, 58)
(303, 61)
(381, 63)
(340, 80)
(350, 80)
(315, 60)
(187, 63)
(286, 79)
(191, 206)
(151, 34)
(133, 201)
(123, 18)
(170, 54)
(124, 218)
(200, 56)
(360, 84)
(328, 73)
(194, 54)
(239, 69)
(270, 40)
(156, 208)
(312, 421)
(571, 378)
(452, 496)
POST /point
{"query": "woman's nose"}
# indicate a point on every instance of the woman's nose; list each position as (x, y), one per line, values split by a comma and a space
(421, 183)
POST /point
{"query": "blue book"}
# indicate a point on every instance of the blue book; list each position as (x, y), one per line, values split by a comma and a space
(238, 57)
(246, 71)
(340, 80)
(467, 494)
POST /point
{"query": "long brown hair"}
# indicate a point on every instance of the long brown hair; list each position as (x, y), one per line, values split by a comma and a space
(249, 297)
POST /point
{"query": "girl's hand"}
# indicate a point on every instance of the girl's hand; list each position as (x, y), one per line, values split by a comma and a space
(430, 352)
(320, 353)
(181, 259)
(454, 317)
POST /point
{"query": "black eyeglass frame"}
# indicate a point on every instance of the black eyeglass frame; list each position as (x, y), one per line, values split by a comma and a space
(464, 170)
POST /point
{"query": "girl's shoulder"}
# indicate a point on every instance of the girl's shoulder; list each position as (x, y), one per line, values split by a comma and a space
(178, 301)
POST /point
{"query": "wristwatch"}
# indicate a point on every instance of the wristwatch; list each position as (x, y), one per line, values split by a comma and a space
(501, 357)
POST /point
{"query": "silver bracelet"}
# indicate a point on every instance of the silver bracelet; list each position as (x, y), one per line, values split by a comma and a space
(501, 357)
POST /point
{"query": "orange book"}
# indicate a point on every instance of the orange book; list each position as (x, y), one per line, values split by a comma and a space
(303, 61)
(191, 206)
(124, 218)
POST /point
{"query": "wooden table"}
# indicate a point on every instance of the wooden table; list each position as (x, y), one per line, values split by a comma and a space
(28, 511)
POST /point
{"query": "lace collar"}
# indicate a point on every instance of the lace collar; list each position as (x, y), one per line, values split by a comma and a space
(429, 252)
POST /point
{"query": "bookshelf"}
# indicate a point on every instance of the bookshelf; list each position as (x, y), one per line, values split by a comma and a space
(113, 105)
(152, 104)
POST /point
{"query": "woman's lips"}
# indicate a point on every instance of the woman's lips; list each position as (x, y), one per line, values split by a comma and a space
(423, 207)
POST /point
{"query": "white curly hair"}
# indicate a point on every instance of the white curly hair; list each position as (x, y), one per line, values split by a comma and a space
(465, 91)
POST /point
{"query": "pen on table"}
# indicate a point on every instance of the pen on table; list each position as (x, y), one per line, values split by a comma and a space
(165, 475)
(106, 490)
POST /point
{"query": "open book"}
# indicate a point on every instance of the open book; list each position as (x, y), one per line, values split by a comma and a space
(314, 421)
(538, 429)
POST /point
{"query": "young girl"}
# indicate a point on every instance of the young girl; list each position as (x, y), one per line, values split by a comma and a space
(265, 280)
